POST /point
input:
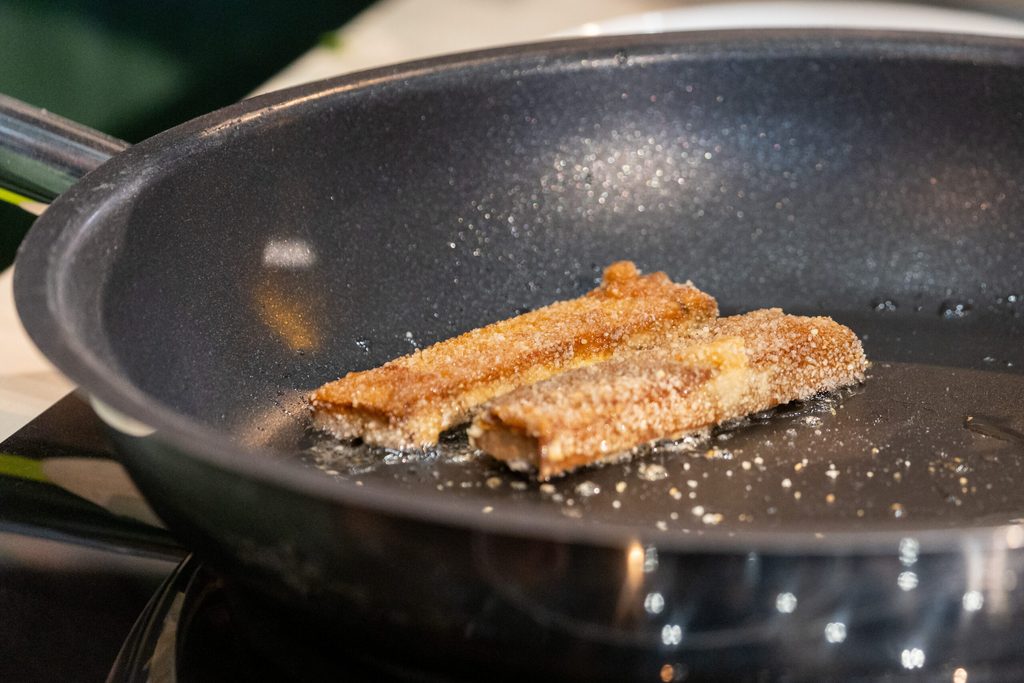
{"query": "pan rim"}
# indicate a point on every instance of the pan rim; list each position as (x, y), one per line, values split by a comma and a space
(52, 238)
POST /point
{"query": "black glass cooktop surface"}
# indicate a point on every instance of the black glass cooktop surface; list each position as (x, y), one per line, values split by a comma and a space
(76, 568)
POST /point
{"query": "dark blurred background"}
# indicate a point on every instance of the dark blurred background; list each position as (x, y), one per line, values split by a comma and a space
(132, 68)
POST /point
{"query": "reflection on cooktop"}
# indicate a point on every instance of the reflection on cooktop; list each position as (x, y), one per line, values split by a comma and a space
(74, 571)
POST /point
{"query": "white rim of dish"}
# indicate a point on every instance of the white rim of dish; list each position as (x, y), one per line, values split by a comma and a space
(804, 14)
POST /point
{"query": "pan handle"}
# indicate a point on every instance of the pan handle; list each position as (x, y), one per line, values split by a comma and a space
(42, 154)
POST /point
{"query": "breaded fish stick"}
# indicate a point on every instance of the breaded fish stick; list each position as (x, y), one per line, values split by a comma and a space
(734, 367)
(409, 401)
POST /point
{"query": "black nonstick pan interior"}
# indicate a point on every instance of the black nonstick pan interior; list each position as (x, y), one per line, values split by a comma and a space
(213, 274)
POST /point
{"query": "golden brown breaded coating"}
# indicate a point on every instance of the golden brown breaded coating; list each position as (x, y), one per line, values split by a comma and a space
(409, 401)
(733, 367)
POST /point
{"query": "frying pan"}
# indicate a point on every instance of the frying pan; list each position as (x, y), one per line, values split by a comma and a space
(198, 283)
